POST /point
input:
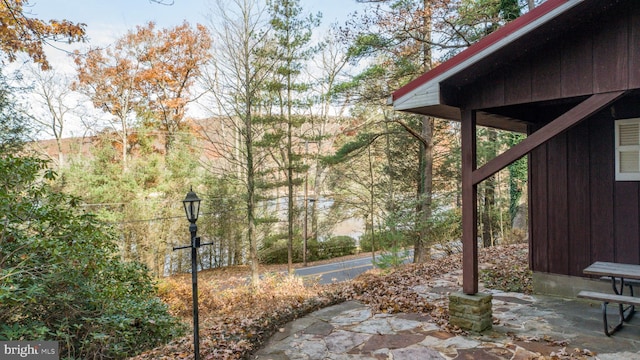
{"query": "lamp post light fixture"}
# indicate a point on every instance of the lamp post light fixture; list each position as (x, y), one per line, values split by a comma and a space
(191, 206)
(192, 209)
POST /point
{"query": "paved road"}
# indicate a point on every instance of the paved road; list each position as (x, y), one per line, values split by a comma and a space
(341, 271)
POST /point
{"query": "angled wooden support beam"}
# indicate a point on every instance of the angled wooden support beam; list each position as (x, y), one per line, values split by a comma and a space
(578, 113)
(469, 204)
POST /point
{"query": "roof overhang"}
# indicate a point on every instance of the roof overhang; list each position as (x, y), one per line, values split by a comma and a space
(423, 95)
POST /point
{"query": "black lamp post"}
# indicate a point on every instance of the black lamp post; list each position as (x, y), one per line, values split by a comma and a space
(192, 210)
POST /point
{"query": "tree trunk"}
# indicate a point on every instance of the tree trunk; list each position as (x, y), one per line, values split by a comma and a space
(125, 143)
(487, 207)
(421, 247)
(489, 192)
(251, 188)
(316, 199)
(531, 4)
(60, 154)
(391, 206)
(520, 220)
(319, 169)
(290, 217)
(371, 211)
(425, 189)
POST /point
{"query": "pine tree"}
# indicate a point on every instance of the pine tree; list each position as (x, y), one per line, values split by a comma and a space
(292, 35)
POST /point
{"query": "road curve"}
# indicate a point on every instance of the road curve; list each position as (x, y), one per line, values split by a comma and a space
(340, 271)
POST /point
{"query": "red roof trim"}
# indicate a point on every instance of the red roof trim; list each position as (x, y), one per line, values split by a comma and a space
(484, 43)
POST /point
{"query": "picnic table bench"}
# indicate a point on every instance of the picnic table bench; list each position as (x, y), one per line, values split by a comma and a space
(620, 275)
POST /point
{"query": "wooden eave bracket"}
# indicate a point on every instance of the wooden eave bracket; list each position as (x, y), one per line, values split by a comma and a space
(572, 117)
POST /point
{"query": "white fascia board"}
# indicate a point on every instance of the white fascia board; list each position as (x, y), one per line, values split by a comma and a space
(428, 94)
(425, 95)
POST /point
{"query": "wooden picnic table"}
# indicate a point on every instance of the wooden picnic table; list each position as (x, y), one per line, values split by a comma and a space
(620, 275)
(613, 270)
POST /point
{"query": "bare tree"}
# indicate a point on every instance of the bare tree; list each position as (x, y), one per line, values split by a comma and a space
(332, 64)
(54, 103)
(235, 79)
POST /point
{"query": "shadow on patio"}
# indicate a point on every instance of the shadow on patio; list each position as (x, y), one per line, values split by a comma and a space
(579, 322)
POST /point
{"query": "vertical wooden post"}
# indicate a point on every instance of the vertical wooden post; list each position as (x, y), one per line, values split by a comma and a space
(469, 204)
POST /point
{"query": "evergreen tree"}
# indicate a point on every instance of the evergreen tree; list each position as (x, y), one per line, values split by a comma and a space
(292, 34)
(474, 20)
(397, 36)
(14, 128)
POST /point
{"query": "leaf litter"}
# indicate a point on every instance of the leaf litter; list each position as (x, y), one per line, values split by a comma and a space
(236, 319)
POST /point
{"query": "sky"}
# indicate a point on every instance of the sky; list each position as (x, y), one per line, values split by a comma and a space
(108, 20)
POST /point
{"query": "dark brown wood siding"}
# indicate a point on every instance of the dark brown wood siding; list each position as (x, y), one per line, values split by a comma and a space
(634, 52)
(596, 57)
(579, 213)
(601, 170)
(578, 203)
(538, 210)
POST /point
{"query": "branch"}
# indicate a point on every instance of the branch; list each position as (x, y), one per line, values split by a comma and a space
(413, 133)
(352, 149)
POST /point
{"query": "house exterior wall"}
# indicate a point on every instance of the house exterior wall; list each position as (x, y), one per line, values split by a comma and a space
(579, 213)
(600, 55)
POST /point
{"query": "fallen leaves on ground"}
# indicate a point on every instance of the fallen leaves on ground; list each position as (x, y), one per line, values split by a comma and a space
(563, 352)
(236, 320)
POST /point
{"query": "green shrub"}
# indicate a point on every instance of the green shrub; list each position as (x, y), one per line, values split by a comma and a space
(445, 226)
(365, 242)
(275, 251)
(61, 277)
(338, 246)
(314, 250)
(392, 258)
(381, 242)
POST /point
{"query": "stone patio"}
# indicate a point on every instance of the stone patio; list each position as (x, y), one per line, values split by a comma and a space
(525, 327)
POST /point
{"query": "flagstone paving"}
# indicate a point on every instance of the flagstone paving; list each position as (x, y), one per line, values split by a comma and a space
(526, 327)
